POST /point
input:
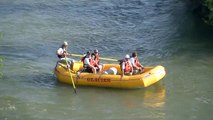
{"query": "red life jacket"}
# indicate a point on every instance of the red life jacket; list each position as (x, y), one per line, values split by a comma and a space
(92, 62)
(96, 58)
(128, 66)
(137, 63)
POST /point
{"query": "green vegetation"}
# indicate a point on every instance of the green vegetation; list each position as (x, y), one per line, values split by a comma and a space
(209, 17)
(204, 8)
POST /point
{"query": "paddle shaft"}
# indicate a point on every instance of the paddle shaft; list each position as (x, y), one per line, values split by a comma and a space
(101, 58)
(73, 84)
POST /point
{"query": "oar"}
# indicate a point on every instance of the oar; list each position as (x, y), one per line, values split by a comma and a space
(73, 84)
(101, 58)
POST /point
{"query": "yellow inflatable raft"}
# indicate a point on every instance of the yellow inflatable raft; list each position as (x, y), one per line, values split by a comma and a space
(150, 76)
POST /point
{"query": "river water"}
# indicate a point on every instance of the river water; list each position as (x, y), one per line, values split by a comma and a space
(163, 32)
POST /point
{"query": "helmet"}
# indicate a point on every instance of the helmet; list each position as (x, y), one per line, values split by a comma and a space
(65, 43)
(127, 56)
(96, 51)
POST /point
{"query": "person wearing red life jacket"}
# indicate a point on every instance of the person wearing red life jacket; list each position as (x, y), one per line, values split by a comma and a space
(137, 66)
(95, 56)
(126, 66)
(89, 64)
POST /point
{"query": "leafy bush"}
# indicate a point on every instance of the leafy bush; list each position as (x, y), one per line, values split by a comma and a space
(209, 4)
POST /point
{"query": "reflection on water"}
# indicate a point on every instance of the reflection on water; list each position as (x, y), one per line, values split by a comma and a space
(149, 103)
(155, 96)
(152, 97)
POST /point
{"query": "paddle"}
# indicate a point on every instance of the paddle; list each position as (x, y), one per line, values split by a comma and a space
(101, 58)
(73, 84)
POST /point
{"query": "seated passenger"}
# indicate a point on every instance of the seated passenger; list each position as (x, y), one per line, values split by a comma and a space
(137, 67)
(89, 64)
(126, 66)
(95, 56)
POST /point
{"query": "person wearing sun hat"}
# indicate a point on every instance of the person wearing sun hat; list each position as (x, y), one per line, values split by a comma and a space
(62, 51)
(126, 66)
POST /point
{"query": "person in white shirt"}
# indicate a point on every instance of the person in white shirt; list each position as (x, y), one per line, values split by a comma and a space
(89, 64)
(137, 67)
(62, 51)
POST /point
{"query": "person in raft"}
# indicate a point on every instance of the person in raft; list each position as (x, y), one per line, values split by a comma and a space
(126, 66)
(137, 66)
(62, 52)
(89, 64)
(95, 57)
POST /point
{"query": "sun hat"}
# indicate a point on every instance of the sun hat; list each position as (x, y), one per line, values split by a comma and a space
(96, 51)
(65, 43)
(127, 56)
